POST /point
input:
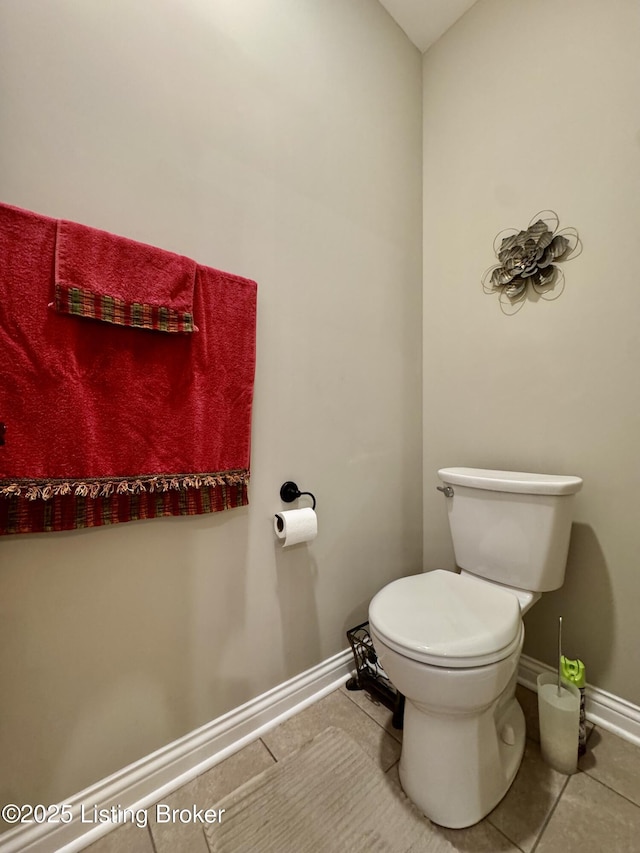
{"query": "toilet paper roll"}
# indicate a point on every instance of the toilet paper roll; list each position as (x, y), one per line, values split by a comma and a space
(296, 525)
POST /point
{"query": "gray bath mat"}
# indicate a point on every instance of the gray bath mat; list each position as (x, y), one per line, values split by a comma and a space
(327, 797)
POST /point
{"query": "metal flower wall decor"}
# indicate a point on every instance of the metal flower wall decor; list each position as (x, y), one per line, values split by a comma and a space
(530, 257)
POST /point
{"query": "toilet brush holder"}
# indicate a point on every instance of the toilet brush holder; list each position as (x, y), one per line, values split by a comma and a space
(559, 714)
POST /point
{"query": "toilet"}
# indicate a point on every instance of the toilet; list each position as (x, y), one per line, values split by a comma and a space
(451, 641)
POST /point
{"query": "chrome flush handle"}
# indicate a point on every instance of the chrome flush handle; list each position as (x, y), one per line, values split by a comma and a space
(447, 491)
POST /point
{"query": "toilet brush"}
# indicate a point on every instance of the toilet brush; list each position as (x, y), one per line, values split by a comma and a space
(560, 657)
(559, 716)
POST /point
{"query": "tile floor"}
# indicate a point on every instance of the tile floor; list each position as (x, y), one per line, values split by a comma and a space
(594, 811)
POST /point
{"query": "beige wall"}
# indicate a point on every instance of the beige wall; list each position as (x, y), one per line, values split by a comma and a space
(533, 105)
(280, 141)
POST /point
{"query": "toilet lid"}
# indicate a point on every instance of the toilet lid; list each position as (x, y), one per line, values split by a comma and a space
(447, 619)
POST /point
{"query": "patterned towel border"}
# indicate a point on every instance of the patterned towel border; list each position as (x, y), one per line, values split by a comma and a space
(37, 507)
(110, 309)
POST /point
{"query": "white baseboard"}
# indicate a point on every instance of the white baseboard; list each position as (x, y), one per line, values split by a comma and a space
(147, 781)
(602, 709)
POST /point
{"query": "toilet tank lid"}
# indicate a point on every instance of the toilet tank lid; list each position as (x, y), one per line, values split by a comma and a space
(511, 481)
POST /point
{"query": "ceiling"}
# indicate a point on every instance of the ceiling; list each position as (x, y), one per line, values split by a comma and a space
(424, 21)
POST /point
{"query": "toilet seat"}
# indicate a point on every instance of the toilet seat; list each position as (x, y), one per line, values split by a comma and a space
(447, 620)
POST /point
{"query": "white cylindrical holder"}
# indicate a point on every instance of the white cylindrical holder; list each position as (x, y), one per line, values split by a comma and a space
(559, 722)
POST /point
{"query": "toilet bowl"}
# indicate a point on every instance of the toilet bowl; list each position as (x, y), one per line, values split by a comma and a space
(451, 641)
(464, 731)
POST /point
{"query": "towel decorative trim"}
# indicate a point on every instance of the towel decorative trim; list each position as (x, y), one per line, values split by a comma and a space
(105, 486)
(111, 309)
(38, 506)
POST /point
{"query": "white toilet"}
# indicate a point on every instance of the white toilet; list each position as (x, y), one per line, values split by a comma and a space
(451, 642)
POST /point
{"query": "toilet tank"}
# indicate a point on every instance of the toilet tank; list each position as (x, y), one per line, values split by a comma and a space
(510, 527)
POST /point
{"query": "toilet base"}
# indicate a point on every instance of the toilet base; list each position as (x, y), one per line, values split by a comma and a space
(457, 768)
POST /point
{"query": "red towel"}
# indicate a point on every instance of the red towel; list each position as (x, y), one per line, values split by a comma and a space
(107, 423)
(110, 278)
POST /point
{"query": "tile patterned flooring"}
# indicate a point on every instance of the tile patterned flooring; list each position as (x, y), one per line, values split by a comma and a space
(596, 810)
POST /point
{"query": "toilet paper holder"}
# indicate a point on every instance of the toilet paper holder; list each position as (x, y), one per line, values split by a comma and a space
(290, 492)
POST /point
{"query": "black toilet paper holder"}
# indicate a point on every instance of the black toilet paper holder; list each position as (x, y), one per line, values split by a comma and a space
(290, 492)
